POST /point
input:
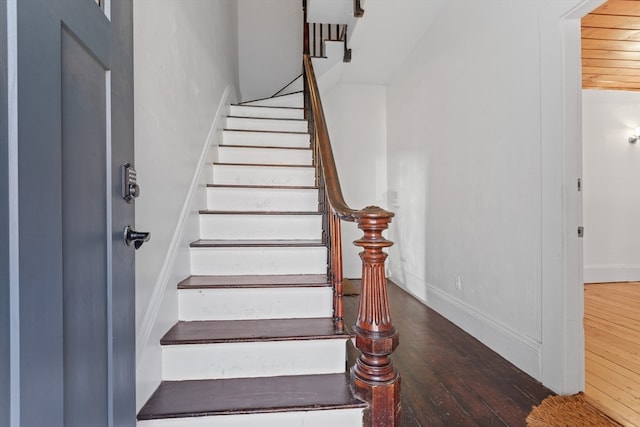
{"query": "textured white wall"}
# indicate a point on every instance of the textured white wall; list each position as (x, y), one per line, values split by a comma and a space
(270, 42)
(476, 167)
(611, 186)
(385, 36)
(185, 58)
(356, 117)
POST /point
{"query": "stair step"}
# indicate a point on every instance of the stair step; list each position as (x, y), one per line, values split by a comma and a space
(264, 155)
(283, 243)
(267, 124)
(228, 297)
(244, 303)
(255, 281)
(262, 198)
(294, 99)
(304, 400)
(235, 331)
(270, 139)
(242, 174)
(256, 225)
(229, 257)
(266, 112)
(252, 348)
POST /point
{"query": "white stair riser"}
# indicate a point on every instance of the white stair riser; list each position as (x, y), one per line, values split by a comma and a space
(292, 100)
(254, 303)
(266, 112)
(248, 227)
(251, 260)
(263, 175)
(262, 199)
(253, 359)
(332, 417)
(268, 124)
(266, 139)
(271, 156)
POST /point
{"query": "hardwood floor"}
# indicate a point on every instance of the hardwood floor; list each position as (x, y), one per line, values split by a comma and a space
(448, 377)
(612, 349)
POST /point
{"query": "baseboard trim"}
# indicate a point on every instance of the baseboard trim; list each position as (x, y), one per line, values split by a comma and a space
(611, 273)
(168, 265)
(521, 350)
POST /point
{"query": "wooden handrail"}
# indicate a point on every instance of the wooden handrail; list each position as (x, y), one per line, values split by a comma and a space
(374, 378)
(327, 161)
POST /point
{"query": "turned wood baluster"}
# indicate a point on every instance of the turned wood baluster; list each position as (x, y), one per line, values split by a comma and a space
(358, 11)
(375, 380)
(305, 29)
(336, 271)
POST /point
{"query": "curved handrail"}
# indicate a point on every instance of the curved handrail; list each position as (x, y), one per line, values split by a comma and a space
(327, 161)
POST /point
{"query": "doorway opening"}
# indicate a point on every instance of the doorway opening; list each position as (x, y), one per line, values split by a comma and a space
(611, 207)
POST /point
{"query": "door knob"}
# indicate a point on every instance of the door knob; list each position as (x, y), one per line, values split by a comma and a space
(135, 238)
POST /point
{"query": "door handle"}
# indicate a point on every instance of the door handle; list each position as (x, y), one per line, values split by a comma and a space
(135, 238)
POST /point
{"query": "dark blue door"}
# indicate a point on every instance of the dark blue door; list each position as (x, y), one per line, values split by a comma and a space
(71, 281)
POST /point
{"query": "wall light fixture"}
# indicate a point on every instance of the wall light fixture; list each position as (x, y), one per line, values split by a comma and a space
(636, 135)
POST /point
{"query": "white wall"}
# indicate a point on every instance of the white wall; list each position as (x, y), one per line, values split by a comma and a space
(356, 118)
(186, 63)
(270, 41)
(611, 167)
(475, 136)
(385, 36)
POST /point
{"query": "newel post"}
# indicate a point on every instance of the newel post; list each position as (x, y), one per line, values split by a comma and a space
(375, 380)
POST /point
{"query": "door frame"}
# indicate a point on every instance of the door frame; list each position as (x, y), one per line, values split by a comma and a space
(9, 267)
(562, 352)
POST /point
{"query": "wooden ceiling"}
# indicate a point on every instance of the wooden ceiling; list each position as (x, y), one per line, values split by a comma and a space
(611, 46)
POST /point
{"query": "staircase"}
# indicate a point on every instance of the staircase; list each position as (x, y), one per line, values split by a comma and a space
(256, 344)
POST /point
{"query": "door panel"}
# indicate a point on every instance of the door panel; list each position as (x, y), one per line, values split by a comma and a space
(76, 279)
(84, 235)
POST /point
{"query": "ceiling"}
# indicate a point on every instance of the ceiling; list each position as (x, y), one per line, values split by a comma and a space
(611, 46)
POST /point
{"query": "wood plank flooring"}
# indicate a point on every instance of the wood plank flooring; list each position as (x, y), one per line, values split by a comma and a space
(612, 349)
(448, 377)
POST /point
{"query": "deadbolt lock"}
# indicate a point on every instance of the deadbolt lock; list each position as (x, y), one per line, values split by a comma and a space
(130, 188)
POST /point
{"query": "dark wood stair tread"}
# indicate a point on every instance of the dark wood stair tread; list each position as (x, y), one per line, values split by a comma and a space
(296, 187)
(224, 331)
(267, 106)
(266, 131)
(268, 147)
(208, 212)
(277, 165)
(265, 118)
(194, 398)
(219, 243)
(255, 281)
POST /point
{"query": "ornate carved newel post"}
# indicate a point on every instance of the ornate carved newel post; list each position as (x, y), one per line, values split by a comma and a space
(375, 380)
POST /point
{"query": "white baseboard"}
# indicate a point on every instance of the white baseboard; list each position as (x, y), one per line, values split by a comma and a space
(175, 266)
(521, 350)
(611, 273)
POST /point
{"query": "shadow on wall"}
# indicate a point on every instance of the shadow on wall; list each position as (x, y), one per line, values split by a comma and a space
(408, 195)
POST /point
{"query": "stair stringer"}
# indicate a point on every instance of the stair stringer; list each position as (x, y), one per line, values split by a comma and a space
(162, 311)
